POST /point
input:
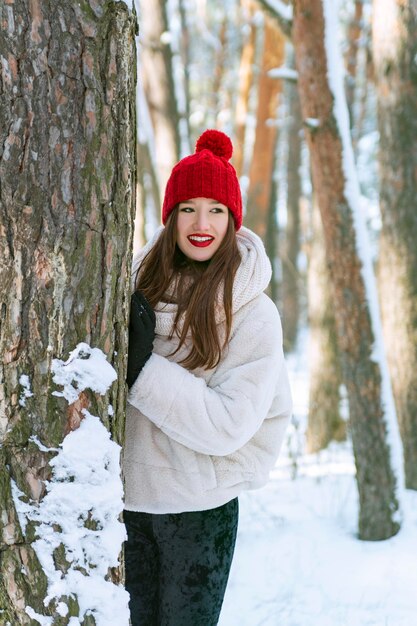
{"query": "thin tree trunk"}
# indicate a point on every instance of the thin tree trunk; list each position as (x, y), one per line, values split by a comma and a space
(324, 421)
(67, 165)
(158, 82)
(261, 170)
(247, 60)
(364, 92)
(291, 246)
(149, 193)
(219, 67)
(185, 54)
(395, 53)
(272, 234)
(372, 416)
(355, 31)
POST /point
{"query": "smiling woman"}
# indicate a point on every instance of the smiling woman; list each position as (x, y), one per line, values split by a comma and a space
(201, 227)
(209, 399)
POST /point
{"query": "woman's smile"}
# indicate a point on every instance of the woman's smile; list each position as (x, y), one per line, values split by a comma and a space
(200, 241)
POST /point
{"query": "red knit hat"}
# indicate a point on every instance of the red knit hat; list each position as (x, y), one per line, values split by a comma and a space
(206, 174)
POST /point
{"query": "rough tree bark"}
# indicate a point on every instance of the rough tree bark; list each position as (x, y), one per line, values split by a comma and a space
(324, 421)
(158, 81)
(394, 55)
(67, 162)
(378, 517)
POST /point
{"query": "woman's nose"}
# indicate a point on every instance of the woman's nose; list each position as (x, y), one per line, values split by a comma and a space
(202, 221)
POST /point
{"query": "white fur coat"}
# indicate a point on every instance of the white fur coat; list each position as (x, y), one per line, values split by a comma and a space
(195, 439)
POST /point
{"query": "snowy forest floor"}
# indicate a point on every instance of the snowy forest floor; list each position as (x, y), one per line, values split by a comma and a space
(298, 561)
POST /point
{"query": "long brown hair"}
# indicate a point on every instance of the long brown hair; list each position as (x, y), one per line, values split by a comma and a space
(197, 286)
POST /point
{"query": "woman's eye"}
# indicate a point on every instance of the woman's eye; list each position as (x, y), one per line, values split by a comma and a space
(186, 209)
(217, 209)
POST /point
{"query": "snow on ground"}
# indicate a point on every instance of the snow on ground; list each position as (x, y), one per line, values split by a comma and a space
(298, 561)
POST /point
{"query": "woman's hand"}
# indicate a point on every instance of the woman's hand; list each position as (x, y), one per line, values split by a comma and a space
(141, 335)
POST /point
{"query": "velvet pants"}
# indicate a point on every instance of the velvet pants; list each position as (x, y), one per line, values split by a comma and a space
(177, 565)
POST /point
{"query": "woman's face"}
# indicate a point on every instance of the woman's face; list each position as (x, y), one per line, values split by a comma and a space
(201, 227)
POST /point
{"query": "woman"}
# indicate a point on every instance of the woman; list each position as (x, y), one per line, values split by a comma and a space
(209, 399)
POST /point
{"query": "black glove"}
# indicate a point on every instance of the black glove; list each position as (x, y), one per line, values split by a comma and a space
(141, 335)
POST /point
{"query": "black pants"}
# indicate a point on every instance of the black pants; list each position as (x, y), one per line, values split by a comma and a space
(177, 565)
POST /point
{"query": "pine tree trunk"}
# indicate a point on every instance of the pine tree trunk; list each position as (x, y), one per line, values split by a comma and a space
(67, 163)
(158, 82)
(261, 170)
(355, 31)
(272, 234)
(149, 201)
(217, 92)
(291, 245)
(324, 421)
(247, 60)
(362, 374)
(185, 54)
(365, 93)
(395, 53)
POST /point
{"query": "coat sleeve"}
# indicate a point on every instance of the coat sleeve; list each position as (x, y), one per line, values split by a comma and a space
(218, 419)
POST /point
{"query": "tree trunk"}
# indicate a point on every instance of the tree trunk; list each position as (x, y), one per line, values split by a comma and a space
(272, 234)
(324, 421)
(291, 244)
(158, 82)
(185, 54)
(372, 415)
(261, 170)
(355, 32)
(67, 167)
(149, 196)
(247, 60)
(219, 67)
(395, 53)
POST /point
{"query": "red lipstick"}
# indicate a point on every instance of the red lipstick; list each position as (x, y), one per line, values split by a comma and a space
(199, 240)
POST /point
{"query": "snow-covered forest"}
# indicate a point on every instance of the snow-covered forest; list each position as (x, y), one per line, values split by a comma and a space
(99, 101)
(243, 67)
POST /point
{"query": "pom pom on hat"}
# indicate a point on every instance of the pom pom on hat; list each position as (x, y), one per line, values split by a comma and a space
(217, 142)
(206, 174)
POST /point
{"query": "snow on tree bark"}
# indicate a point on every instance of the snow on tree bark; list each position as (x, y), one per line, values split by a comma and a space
(372, 416)
(395, 54)
(67, 162)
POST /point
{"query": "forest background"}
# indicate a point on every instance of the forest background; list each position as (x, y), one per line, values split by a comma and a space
(99, 100)
(259, 71)
(318, 142)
